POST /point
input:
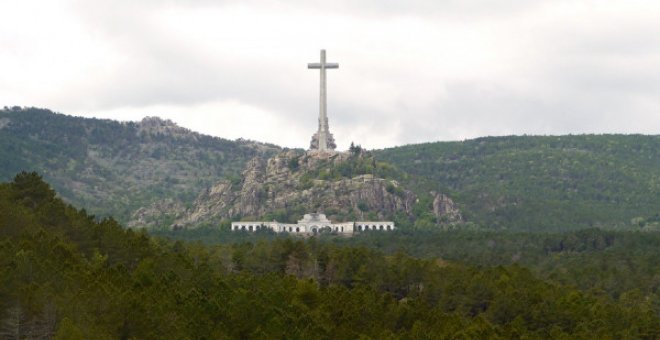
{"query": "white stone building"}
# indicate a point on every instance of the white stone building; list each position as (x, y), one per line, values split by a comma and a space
(314, 224)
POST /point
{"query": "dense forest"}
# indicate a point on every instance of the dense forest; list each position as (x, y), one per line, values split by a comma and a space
(612, 262)
(540, 182)
(64, 274)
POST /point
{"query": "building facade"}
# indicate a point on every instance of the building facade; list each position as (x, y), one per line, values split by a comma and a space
(314, 224)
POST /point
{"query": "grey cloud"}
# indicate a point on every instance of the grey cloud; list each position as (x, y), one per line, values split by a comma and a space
(446, 9)
(161, 69)
(588, 79)
(471, 111)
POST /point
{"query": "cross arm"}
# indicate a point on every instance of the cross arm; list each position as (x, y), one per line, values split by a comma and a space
(318, 65)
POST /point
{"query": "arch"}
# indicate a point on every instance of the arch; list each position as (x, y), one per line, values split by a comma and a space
(297, 229)
(242, 227)
(389, 227)
(342, 229)
(359, 228)
(290, 229)
(250, 228)
(381, 227)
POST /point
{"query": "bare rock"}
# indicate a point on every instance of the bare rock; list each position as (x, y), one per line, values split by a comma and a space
(157, 214)
(284, 183)
(445, 208)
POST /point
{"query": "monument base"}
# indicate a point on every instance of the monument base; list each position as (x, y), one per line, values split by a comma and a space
(323, 154)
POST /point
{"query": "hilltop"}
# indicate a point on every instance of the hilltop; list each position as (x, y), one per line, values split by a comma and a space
(343, 185)
(115, 168)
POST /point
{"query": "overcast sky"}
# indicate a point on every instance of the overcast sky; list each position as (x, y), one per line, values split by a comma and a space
(409, 71)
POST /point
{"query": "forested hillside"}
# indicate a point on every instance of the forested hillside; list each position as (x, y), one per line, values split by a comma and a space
(540, 183)
(500, 183)
(65, 275)
(115, 168)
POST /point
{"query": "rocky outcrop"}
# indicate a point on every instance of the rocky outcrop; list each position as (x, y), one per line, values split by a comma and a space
(161, 213)
(290, 183)
(158, 126)
(4, 122)
(445, 208)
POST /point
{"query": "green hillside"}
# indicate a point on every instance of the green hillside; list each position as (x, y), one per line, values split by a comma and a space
(516, 183)
(541, 183)
(114, 168)
(64, 275)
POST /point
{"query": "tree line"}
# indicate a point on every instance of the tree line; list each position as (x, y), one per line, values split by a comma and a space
(64, 274)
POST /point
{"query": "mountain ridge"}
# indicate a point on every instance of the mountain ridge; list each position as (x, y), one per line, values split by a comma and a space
(113, 168)
(513, 182)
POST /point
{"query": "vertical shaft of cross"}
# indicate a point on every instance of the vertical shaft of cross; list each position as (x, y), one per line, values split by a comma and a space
(323, 106)
(323, 139)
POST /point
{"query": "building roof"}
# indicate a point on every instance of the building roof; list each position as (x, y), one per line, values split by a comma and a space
(314, 218)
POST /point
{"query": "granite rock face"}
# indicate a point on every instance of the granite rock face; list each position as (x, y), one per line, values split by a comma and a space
(288, 183)
(445, 208)
(157, 214)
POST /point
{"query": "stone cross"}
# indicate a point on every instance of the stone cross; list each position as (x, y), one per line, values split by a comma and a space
(323, 139)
